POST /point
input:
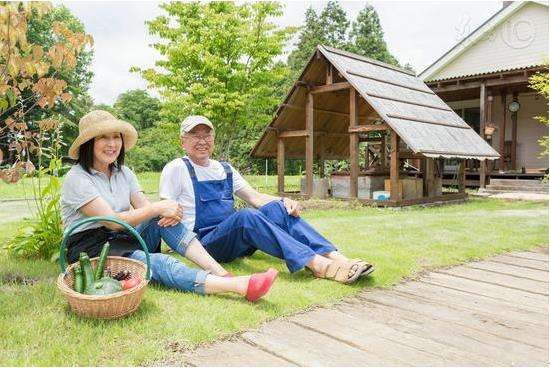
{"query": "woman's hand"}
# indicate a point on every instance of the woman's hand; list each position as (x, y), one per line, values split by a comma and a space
(292, 207)
(169, 209)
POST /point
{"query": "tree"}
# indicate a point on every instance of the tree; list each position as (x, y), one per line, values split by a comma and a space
(138, 108)
(539, 82)
(329, 28)
(31, 77)
(367, 38)
(219, 61)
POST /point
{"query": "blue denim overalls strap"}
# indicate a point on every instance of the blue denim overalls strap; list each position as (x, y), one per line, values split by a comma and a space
(213, 199)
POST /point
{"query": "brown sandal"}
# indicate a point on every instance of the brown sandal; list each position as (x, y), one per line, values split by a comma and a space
(368, 268)
(340, 271)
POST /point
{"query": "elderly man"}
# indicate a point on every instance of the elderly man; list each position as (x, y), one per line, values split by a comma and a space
(205, 189)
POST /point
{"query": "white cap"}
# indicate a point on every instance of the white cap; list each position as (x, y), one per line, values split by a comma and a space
(192, 121)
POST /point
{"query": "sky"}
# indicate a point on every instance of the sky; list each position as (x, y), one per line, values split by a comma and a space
(416, 32)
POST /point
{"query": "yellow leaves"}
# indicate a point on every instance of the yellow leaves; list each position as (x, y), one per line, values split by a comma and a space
(48, 124)
(48, 89)
(66, 97)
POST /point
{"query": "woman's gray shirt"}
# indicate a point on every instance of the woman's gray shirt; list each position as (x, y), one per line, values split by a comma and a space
(81, 187)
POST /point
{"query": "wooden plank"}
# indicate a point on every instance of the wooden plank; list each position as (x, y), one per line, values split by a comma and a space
(529, 301)
(531, 255)
(328, 112)
(280, 165)
(234, 354)
(482, 117)
(528, 328)
(383, 153)
(309, 144)
(427, 121)
(523, 262)
(367, 128)
(392, 98)
(535, 287)
(308, 348)
(394, 167)
(474, 302)
(462, 176)
(334, 87)
(495, 82)
(504, 337)
(516, 271)
(293, 133)
(402, 348)
(502, 131)
(483, 349)
(394, 83)
(353, 144)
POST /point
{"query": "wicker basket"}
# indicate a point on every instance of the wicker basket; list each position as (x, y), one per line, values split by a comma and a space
(104, 306)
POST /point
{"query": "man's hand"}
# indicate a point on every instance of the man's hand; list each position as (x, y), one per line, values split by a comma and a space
(292, 207)
(170, 211)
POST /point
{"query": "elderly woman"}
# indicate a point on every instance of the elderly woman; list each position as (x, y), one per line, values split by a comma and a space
(100, 185)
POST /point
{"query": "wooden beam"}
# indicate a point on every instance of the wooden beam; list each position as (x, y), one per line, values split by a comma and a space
(427, 121)
(383, 151)
(395, 194)
(513, 150)
(482, 117)
(330, 87)
(353, 144)
(329, 76)
(408, 154)
(309, 144)
(366, 128)
(280, 165)
(293, 133)
(502, 132)
(495, 82)
(329, 112)
(462, 176)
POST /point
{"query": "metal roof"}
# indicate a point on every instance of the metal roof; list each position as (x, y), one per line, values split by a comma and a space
(423, 121)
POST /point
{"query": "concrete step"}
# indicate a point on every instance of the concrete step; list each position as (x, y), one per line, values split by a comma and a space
(513, 188)
(519, 182)
(494, 191)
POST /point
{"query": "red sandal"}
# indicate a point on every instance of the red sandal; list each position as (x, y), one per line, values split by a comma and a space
(260, 283)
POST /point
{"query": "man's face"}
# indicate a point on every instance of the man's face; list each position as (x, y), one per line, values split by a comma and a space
(198, 143)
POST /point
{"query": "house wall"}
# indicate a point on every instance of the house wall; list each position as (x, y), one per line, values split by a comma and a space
(529, 129)
(520, 41)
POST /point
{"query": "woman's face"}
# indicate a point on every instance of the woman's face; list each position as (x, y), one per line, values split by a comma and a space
(107, 148)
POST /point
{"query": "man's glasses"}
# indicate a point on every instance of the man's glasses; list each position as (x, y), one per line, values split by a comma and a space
(197, 138)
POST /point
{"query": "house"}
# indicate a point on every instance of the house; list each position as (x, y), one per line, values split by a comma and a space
(484, 79)
(343, 102)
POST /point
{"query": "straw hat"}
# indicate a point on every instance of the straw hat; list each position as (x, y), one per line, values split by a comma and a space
(100, 122)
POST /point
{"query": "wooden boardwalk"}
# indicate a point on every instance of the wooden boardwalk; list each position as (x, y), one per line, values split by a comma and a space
(487, 313)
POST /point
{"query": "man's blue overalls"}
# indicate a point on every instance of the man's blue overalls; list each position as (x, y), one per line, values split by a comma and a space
(228, 234)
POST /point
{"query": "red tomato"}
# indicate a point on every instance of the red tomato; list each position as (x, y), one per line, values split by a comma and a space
(130, 283)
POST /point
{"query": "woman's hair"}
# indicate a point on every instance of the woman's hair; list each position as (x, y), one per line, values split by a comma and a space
(86, 156)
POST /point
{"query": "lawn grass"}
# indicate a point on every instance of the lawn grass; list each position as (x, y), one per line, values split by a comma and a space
(36, 327)
(149, 182)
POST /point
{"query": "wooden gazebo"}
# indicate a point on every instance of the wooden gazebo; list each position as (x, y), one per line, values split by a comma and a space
(341, 98)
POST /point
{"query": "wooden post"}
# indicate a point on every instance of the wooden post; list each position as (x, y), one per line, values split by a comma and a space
(489, 164)
(482, 117)
(353, 145)
(513, 151)
(321, 148)
(329, 77)
(462, 176)
(280, 165)
(502, 132)
(394, 167)
(383, 151)
(309, 145)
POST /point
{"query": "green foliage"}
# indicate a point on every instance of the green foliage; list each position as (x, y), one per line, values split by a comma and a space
(539, 82)
(331, 27)
(156, 146)
(367, 38)
(138, 108)
(40, 236)
(219, 61)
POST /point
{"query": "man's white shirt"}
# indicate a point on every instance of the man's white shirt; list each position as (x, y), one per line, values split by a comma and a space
(176, 184)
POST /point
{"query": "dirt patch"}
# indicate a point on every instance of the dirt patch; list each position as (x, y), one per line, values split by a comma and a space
(17, 279)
